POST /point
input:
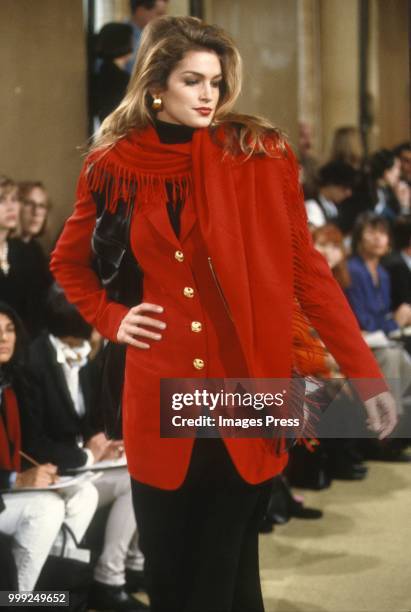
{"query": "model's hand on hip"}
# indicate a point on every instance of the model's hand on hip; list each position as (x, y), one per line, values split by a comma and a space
(134, 324)
(381, 414)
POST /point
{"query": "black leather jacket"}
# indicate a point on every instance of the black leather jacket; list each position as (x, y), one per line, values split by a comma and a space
(113, 262)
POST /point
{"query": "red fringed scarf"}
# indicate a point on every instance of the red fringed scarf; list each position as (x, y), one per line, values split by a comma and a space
(10, 435)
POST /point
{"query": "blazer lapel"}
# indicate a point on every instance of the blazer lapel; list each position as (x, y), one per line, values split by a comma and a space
(158, 216)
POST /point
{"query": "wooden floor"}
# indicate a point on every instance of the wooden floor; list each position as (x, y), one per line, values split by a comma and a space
(357, 558)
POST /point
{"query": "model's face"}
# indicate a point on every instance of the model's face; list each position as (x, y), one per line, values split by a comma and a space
(194, 84)
(34, 212)
(9, 209)
(374, 242)
(393, 174)
(7, 338)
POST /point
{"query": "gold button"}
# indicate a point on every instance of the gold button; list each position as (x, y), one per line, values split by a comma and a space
(188, 292)
(198, 364)
(179, 255)
(196, 326)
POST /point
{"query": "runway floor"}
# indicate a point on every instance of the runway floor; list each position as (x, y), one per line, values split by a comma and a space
(357, 558)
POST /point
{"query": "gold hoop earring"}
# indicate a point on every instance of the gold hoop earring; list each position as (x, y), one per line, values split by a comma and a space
(157, 103)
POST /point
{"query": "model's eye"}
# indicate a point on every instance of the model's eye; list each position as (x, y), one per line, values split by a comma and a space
(191, 82)
(216, 84)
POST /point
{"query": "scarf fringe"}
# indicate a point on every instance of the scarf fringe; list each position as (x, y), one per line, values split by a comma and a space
(128, 184)
(308, 353)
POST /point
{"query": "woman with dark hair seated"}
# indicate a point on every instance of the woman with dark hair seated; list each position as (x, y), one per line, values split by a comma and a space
(33, 518)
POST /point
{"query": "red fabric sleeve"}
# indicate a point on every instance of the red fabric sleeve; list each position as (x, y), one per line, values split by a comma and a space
(71, 267)
(326, 306)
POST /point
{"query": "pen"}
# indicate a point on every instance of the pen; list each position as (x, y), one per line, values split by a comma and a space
(37, 464)
(30, 459)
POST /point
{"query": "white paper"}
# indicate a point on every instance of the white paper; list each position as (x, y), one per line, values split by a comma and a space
(102, 465)
(376, 339)
(64, 482)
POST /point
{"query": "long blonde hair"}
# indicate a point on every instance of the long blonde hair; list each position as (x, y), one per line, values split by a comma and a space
(164, 43)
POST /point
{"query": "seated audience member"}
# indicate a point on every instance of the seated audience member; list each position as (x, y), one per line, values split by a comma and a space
(65, 384)
(114, 47)
(369, 294)
(398, 264)
(391, 195)
(403, 152)
(336, 180)
(34, 212)
(21, 283)
(369, 288)
(32, 518)
(348, 147)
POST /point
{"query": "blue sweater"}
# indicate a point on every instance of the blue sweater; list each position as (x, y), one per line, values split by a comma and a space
(371, 303)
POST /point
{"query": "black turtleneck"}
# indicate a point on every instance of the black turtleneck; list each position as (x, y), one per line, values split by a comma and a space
(173, 133)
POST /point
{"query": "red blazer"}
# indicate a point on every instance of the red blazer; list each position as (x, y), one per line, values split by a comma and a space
(163, 462)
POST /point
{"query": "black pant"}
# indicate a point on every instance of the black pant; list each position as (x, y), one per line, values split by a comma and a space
(200, 541)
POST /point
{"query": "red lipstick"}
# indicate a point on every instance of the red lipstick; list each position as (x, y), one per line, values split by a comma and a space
(203, 111)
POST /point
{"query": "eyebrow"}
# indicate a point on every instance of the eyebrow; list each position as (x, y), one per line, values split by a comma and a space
(199, 73)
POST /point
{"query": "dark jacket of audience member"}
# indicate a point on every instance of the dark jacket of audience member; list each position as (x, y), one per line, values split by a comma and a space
(59, 426)
(385, 172)
(25, 286)
(398, 263)
(114, 43)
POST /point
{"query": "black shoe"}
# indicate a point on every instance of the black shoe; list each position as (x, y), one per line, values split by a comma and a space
(296, 508)
(300, 511)
(265, 526)
(360, 468)
(108, 597)
(277, 518)
(135, 581)
(349, 472)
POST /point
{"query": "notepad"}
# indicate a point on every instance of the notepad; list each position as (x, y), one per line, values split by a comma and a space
(108, 464)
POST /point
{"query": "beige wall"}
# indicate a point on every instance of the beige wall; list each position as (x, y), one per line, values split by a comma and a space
(43, 95)
(266, 34)
(339, 66)
(393, 118)
(117, 10)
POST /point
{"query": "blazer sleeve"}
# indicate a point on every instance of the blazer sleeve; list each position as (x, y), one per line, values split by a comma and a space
(72, 269)
(324, 303)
